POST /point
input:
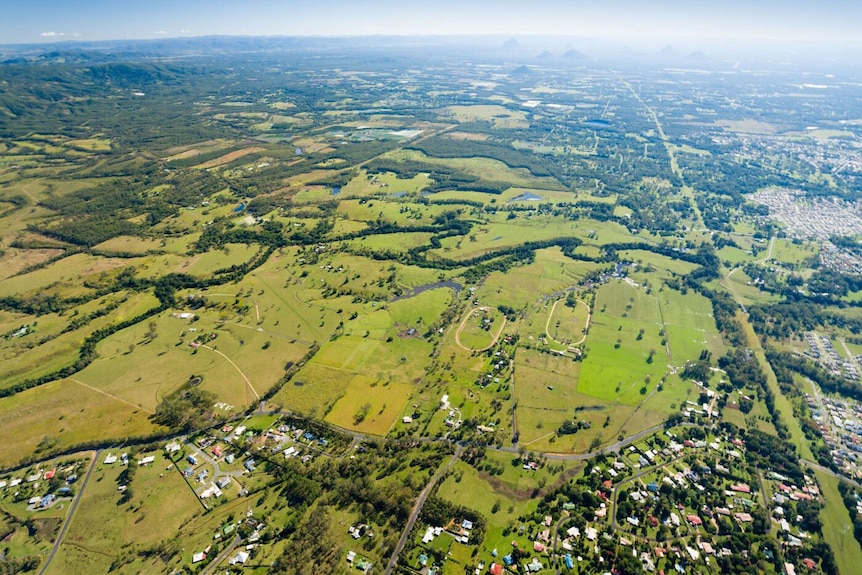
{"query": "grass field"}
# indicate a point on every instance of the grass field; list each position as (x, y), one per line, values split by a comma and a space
(837, 528)
(617, 362)
(101, 528)
(567, 325)
(67, 413)
(480, 328)
(789, 252)
(369, 405)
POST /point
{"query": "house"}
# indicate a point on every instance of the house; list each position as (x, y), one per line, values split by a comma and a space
(241, 558)
(172, 447)
(570, 564)
(535, 566)
(538, 547)
(49, 475)
(218, 450)
(223, 482)
(694, 520)
(790, 569)
(192, 458)
(47, 500)
(740, 488)
(496, 569)
(198, 557)
(211, 491)
(743, 517)
(146, 460)
(110, 459)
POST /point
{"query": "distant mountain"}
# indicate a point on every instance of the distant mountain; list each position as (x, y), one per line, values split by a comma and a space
(574, 55)
(697, 56)
(521, 71)
(511, 44)
(545, 55)
(667, 51)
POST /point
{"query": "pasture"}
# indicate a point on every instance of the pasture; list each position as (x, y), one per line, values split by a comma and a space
(163, 504)
(623, 348)
(67, 413)
(369, 405)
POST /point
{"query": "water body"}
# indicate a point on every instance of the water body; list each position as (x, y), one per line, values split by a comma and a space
(454, 286)
(597, 123)
(527, 197)
(336, 190)
(239, 208)
(298, 151)
(397, 194)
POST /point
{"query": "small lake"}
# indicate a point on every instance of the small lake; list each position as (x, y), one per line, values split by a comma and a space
(597, 123)
(454, 286)
(527, 197)
(239, 208)
(336, 190)
(397, 194)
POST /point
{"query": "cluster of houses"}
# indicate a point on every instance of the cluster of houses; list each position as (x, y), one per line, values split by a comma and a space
(32, 485)
(821, 350)
(840, 424)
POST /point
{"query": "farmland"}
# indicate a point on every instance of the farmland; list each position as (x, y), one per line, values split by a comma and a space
(313, 296)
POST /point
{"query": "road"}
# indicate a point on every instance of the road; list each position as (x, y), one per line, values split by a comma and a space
(417, 508)
(70, 514)
(464, 323)
(213, 565)
(230, 361)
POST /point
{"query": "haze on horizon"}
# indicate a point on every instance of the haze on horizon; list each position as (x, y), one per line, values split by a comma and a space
(693, 23)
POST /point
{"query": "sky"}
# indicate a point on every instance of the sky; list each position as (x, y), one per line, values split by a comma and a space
(630, 21)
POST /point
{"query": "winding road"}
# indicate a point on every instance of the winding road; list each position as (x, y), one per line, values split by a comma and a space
(464, 324)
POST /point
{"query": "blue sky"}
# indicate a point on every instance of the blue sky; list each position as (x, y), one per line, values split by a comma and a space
(623, 20)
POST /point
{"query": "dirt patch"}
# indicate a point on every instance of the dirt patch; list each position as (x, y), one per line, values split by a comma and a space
(467, 136)
(229, 157)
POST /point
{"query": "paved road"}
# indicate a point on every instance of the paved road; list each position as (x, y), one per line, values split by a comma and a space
(71, 512)
(417, 508)
(222, 556)
(828, 471)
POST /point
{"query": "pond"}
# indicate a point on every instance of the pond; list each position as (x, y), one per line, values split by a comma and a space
(454, 286)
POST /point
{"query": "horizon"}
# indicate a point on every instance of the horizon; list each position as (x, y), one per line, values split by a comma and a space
(667, 22)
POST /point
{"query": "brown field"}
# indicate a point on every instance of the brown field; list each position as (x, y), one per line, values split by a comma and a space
(467, 136)
(176, 152)
(229, 157)
(15, 260)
